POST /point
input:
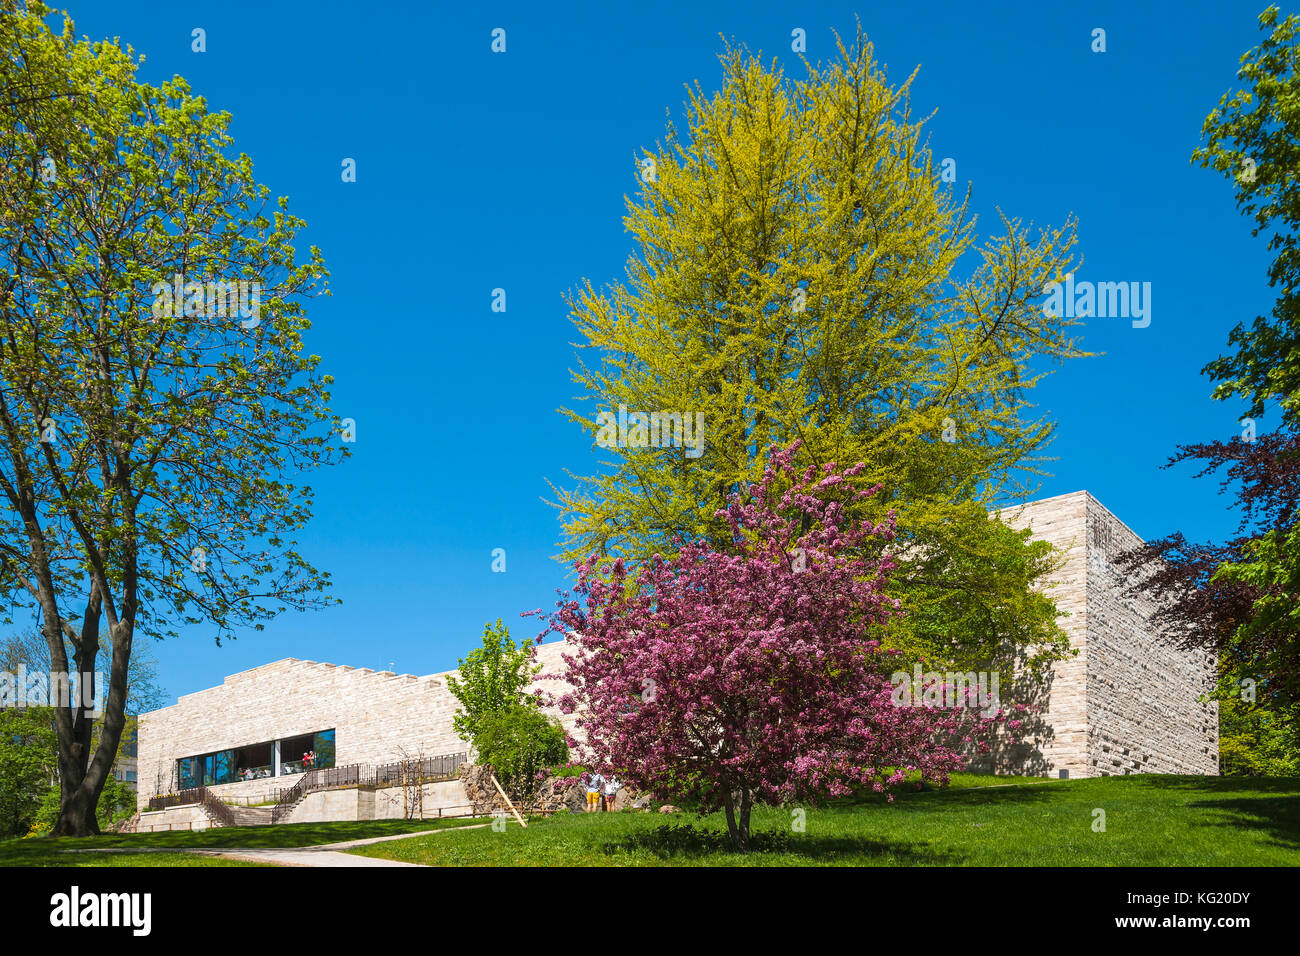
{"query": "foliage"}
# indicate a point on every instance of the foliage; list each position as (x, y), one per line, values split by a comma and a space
(521, 744)
(490, 680)
(743, 676)
(1253, 138)
(1254, 740)
(151, 454)
(27, 765)
(801, 274)
(143, 691)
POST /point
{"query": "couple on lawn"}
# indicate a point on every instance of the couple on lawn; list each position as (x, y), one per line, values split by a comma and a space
(595, 784)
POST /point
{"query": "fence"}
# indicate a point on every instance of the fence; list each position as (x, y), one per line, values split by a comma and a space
(166, 827)
(410, 772)
(179, 799)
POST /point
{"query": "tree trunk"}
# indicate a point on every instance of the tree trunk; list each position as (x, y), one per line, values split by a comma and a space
(738, 805)
(82, 775)
(77, 812)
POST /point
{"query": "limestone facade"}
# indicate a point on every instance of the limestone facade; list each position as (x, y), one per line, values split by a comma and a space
(378, 718)
(1128, 701)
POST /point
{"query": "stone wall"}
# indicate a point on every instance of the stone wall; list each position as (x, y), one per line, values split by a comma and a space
(1145, 712)
(374, 715)
(1061, 738)
(1127, 701)
(189, 817)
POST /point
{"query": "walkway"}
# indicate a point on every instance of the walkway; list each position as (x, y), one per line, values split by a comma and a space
(327, 854)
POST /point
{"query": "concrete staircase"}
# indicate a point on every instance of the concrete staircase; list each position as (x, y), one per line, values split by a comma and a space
(251, 816)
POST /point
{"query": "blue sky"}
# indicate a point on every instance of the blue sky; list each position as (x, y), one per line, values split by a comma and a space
(478, 170)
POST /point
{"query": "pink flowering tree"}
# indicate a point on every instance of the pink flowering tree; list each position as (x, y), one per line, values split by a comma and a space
(753, 675)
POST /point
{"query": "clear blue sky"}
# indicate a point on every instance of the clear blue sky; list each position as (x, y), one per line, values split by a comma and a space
(478, 171)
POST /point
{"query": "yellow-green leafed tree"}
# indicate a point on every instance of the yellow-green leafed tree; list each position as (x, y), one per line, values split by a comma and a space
(802, 273)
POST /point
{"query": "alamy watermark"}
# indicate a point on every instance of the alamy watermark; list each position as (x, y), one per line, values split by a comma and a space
(651, 430)
(1102, 300)
(23, 688)
(950, 690)
(212, 300)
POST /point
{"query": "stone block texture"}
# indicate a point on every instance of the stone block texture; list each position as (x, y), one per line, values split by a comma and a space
(1129, 701)
(376, 716)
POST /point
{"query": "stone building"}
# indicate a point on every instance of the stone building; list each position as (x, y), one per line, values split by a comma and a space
(1125, 703)
(250, 736)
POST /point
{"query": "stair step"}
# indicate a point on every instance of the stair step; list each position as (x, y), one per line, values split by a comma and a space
(251, 816)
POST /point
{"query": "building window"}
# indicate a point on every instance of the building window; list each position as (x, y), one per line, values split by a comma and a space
(254, 763)
(257, 761)
(308, 752)
(189, 774)
(219, 768)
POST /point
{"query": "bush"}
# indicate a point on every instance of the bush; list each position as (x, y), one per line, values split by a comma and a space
(522, 744)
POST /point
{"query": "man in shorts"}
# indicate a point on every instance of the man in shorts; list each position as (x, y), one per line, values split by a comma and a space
(594, 783)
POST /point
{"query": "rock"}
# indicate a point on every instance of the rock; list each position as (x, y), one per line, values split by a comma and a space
(669, 808)
(554, 794)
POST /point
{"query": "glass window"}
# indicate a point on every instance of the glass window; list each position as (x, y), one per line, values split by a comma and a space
(188, 773)
(220, 768)
(253, 763)
(297, 754)
(323, 745)
(257, 761)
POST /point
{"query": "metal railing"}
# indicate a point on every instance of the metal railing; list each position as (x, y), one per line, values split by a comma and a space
(179, 799)
(220, 814)
(403, 773)
(216, 809)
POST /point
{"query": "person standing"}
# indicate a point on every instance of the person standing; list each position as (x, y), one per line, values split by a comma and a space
(611, 792)
(594, 783)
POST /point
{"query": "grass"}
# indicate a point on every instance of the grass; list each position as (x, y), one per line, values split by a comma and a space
(1150, 821)
(48, 851)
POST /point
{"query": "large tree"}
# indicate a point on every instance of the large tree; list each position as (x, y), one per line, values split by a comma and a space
(801, 273)
(751, 675)
(151, 442)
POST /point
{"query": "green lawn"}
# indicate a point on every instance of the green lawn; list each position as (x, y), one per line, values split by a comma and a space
(1150, 821)
(48, 851)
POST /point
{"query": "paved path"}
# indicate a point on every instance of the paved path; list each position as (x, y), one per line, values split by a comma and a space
(327, 854)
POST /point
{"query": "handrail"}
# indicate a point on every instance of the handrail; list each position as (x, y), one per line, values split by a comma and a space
(443, 766)
(288, 799)
(215, 807)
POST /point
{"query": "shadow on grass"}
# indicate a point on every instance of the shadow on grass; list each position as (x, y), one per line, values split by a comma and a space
(689, 841)
(1277, 817)
(910, 800)
(19, 852)
(1273, 808)
(1278, 785)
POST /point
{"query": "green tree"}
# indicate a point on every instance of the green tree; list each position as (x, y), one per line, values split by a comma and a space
(1253, 138)
(28, 752)
(521, 743)
(1254, 740)
(490, 680)
(801, 273)
(150, 446)
(143, 692)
